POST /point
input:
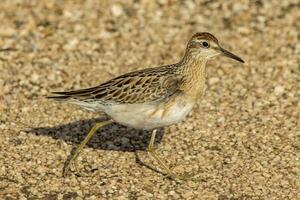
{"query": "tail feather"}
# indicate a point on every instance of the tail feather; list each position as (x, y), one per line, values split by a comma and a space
(70, 98)
(58, 96)
(82, 93)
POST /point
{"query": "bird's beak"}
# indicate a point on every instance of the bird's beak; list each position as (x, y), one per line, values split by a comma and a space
(230, 55)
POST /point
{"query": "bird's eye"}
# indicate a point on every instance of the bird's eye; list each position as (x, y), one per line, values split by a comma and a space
(205, 44)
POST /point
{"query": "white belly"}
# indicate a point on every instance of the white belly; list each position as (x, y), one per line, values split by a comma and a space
(150, 116)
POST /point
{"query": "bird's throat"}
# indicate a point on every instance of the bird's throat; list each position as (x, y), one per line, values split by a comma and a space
(194, 74)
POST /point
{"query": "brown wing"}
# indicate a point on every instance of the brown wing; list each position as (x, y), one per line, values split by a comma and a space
(150, 84)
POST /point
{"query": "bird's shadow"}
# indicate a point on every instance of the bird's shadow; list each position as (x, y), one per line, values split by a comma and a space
(113, 137)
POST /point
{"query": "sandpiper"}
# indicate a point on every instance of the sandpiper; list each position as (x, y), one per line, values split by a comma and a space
(153, 97)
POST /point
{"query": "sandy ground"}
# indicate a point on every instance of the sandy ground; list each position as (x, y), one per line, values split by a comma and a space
(240, 142)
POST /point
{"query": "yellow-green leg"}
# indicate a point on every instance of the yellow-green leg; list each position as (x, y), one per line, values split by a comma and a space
(83, 143)
(161, 163)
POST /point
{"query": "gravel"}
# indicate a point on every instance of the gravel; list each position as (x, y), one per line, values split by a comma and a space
(240, 142)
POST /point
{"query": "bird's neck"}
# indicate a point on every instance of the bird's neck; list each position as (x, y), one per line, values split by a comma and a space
(194, 72)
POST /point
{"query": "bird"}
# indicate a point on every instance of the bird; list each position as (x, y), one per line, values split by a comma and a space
(150, 98)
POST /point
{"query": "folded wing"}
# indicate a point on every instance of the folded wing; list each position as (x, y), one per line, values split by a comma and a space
(146, 85)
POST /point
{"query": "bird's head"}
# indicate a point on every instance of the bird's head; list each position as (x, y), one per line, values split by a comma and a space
(206, 46)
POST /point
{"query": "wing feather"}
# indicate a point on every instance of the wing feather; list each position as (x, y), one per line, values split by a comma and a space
(146, 85)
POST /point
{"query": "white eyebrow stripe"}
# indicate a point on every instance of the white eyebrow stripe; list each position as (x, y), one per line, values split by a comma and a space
(201, 40)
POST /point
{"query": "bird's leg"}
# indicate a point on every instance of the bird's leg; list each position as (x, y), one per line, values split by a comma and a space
(162, 164)
(83, 143)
